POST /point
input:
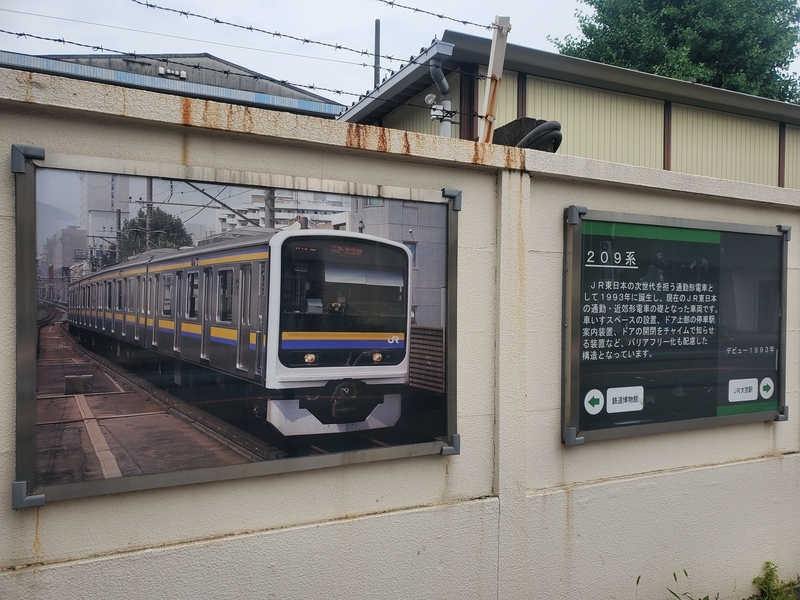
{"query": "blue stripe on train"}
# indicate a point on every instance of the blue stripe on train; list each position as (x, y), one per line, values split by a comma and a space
(341, 345)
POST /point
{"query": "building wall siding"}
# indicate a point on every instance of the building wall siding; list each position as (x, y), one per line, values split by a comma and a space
(715, 144)
(414, 118)
(793, 157)
(601, 125)
(506, 109)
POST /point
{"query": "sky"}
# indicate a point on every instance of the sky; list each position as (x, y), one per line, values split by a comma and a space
(127, 26)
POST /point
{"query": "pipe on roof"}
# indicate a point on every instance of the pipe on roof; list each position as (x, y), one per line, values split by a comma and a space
(444, 90)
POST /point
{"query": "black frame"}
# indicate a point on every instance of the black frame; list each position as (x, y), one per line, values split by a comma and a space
(572, 432)
(26, 493)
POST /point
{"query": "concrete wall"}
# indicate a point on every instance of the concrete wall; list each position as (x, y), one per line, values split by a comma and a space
(516, 514)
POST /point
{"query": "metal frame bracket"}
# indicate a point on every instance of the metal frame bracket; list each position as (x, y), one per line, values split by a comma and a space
(786, 230)
(20, 153)
(453, 449)
(783, 413)
(571, 437)
(20, 498)
(574, 214)
(454, 195)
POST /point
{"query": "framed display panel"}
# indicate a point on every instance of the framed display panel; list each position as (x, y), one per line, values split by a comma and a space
(670, 324)
(175, 330)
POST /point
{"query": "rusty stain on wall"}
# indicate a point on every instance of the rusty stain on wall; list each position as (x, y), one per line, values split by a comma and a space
(354, 137)
(29, 83)
(186, 111)
(515, 158)
(37, 541)
(406, 143)
(382, 141)
(185, 150)
(249, 121)
(209, 118)
(478, 153)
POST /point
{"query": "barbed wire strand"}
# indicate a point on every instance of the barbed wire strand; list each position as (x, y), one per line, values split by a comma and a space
(179, 37)
(277, 34)
(393, 4)
(304, 40)
(229, 72)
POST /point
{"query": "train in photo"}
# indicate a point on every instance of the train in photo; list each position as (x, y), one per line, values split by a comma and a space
(320, 319)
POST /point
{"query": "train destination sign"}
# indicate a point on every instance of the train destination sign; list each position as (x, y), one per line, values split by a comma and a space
(670, 324)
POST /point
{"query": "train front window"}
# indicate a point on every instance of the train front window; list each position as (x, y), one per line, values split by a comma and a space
(335, 292)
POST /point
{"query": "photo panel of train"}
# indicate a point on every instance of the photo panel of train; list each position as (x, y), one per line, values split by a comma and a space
(280, 323)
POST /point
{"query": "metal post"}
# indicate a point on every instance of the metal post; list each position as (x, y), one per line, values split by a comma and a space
(149, 212)
(377, 63)
(119, 236)
(502, 25)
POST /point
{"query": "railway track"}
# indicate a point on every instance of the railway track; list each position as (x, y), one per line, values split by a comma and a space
(96, 421)
(229, 420)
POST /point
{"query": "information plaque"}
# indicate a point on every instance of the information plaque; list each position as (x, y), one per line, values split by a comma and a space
(670, 324)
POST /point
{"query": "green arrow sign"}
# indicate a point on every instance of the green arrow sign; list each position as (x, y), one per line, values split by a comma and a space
(594, 401)
(766, 388)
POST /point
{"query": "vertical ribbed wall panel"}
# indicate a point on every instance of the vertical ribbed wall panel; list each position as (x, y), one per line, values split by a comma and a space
(601, 125)
(716, 144)
(506, 101)
(414, 118)
(793, 157)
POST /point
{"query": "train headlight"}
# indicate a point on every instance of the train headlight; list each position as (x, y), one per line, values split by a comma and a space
(377, 357)
(310, 358)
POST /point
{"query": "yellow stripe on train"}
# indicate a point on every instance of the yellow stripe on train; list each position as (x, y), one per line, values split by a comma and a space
(191, 328)
(216, 260)
(223, 333)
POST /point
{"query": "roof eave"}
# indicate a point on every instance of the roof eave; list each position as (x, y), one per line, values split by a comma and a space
(392, 90)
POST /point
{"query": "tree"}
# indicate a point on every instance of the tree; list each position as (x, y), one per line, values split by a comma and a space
(740, 45)
(166, 231)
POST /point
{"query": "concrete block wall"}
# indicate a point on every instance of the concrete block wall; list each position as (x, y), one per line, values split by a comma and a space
(516, 514)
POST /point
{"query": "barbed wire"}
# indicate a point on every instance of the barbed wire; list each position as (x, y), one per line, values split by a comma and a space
(171, 61)
(393, 4)
(179, 37)
(254, 76)
(305, 40)
(276, 34)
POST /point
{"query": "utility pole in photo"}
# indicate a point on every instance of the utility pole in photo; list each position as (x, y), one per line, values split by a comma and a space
(148, 214)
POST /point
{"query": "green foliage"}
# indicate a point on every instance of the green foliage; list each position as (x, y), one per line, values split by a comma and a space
(772, 588)
(687, 595)
(738, 45)
(166, 231)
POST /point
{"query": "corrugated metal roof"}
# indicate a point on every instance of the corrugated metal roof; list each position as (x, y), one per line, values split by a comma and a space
(172, 86)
